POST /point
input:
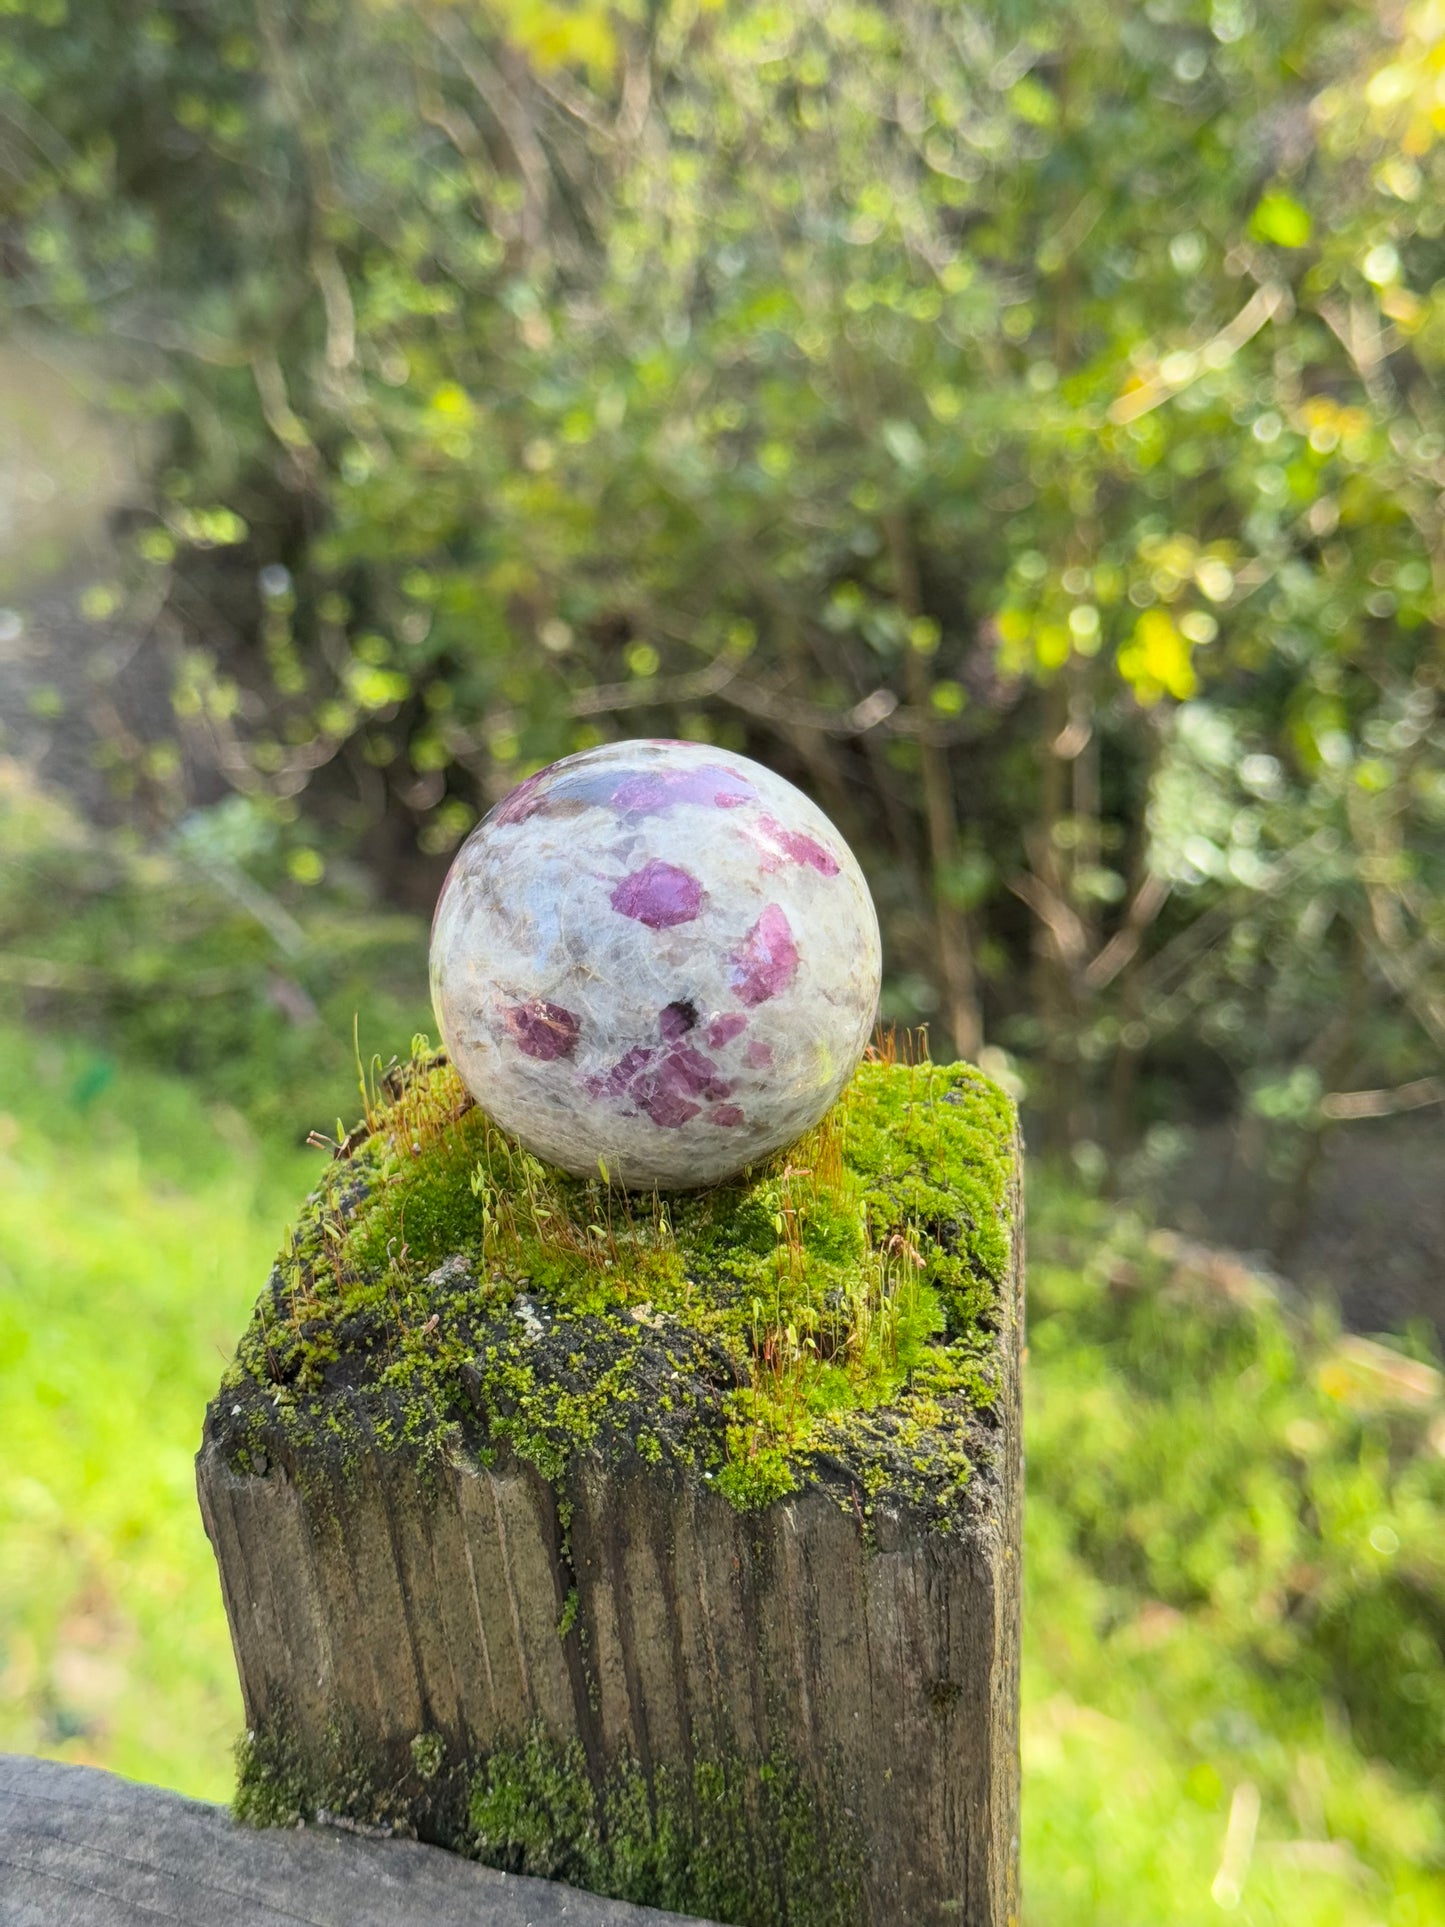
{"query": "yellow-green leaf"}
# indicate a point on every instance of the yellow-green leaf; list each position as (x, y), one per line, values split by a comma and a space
(1281, 219)
(1157, 660)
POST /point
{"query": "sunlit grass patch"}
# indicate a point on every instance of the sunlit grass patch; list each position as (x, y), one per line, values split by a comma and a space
(134, 1224)
(1234, 1692)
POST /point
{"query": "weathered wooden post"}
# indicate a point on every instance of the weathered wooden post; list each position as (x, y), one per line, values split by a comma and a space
(670, 1547)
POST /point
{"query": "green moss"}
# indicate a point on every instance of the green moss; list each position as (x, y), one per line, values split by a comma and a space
(830, 1315)
(688, 1842)
(278, 1786)
(689, 1845)
(416, 1791)
(427, 1755)
(272, 1786)
(532, 1810)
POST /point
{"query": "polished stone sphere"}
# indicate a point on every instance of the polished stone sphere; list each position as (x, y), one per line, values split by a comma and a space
(657, 956)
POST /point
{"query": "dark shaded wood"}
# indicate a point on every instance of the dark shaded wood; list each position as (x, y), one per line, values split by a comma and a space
(880, 1659)
(81, 1848)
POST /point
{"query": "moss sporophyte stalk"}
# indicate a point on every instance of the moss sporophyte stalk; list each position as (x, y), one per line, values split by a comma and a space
(828, 1316)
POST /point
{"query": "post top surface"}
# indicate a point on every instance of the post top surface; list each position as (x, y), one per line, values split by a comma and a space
(832, 1318)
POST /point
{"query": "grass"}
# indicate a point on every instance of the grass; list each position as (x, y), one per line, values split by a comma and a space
(1234, 1695)
(134, 1223)
(1233, 1687)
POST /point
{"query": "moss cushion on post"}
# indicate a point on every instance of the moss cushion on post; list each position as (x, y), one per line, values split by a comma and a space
(667, 1546)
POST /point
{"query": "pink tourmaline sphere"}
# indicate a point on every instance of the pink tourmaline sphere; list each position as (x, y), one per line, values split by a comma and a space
(658, 956)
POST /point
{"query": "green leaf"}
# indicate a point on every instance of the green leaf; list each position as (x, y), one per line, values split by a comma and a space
(1281, 219)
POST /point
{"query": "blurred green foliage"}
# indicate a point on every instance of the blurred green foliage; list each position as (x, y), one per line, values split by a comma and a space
(1233, 1672)
(202, 953)
(1021, 424)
